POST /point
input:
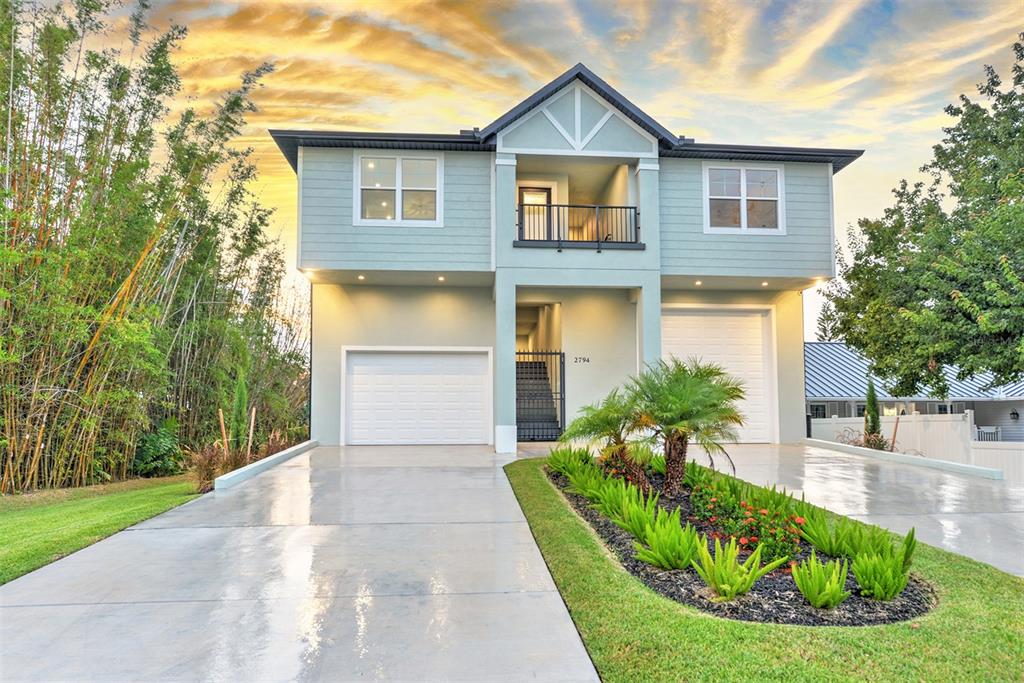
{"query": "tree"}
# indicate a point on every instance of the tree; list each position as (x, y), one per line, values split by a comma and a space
(611, 421)
(684, 401)
(930, 287)
(872, 422)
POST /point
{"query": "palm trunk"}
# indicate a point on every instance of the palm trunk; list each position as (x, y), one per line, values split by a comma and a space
(675, 463)
(635, 473)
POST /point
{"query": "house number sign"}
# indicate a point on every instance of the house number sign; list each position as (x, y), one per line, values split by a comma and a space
(581, 359)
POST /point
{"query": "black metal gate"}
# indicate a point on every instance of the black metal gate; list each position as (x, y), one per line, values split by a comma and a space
(540, 395)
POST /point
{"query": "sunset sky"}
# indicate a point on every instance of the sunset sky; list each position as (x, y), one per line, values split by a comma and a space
(871, 74)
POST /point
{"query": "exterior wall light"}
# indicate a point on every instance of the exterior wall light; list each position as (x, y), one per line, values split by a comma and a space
(1014, 415)
(764, 284)
(360, 277)
(440, 278)
(698, 283)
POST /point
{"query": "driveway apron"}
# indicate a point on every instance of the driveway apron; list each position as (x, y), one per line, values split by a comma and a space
(410, 563)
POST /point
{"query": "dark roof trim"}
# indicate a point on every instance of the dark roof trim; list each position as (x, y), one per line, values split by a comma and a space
(289, 141)
(597, 85)
(839, 158)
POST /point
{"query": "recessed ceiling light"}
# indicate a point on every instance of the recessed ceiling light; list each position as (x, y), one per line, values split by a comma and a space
(440, 278)
(360, 277)
(764, 284)
(698, 283)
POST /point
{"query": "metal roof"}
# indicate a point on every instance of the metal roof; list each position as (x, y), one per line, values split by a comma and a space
(835, 372)
(669, 145)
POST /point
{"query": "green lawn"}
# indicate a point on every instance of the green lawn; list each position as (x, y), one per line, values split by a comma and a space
(38, 528)
(633, 634)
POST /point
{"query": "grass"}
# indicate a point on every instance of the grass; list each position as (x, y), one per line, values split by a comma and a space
(975, 634)
(38, 528)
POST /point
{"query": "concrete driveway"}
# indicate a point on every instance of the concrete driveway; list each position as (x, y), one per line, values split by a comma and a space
(397, 563)
(980, 518)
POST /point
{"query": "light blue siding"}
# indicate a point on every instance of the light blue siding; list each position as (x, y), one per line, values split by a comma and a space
(805, 249)
(327, 238)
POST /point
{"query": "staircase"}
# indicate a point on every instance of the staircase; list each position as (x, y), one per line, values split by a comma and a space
(538, 405)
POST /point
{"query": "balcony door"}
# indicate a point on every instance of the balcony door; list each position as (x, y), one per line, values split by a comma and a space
(535, 213)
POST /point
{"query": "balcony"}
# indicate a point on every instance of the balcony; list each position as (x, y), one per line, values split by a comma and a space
(578, 226)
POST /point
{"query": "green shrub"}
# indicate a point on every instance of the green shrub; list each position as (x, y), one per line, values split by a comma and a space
(832, 539)
(657, 465)
(867, 540)
(823, 584)
(626, 506)
(880, 576)
(697, 475)
(666, 544)
(723, 572)
(158, 453)
(587, 480)
(884, 574)
(566, 458)
(715, 504)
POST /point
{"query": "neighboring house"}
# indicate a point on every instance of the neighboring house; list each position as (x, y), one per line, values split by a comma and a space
(482, 287)
(836, 386)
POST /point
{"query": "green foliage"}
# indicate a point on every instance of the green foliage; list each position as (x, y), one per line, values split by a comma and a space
(657, 465)
(239, 423)
(938, 279)
(565, 459)
(881, 577)
(135, 271)
(872, 421)
(626, 506)
(683, 402)
(666, 544)
(696, 475)
(823, 584)
(610, 422)
(586, 480)
(725, 574)
(158, 453)
(831, 539)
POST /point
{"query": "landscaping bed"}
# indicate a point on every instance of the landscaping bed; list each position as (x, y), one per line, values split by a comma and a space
(774, 598)
(973, 633)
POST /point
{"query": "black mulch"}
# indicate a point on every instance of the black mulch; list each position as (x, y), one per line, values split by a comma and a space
(773, 599)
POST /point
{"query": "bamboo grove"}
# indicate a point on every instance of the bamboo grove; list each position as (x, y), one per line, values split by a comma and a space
(136, 279)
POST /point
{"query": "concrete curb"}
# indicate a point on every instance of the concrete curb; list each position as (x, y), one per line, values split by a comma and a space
(948, 466)
(235, 477)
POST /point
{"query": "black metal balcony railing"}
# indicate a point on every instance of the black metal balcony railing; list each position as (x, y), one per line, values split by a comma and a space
(579, 225)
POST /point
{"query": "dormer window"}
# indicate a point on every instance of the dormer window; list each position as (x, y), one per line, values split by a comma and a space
(397, 189)
(743, 199)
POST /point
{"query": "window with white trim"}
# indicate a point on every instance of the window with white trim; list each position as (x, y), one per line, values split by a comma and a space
(742, 199)
(397, 189)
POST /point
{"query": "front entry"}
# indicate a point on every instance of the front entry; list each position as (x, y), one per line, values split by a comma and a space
(540, 395)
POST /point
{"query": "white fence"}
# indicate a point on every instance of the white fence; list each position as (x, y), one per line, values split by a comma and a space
(940, 437)
(945, 437)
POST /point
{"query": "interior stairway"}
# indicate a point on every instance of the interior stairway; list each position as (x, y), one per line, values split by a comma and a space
(537, 414)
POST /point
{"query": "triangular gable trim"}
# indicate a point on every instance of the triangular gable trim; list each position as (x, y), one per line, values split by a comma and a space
(600, 88)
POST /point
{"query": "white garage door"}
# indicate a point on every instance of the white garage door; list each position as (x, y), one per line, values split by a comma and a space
(737, 341)
(417, 398)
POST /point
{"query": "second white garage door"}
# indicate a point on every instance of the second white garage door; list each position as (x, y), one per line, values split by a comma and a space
(417, 397)
(739, 342)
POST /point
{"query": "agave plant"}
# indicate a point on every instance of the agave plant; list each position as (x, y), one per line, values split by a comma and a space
(610, 422)
(683, 402)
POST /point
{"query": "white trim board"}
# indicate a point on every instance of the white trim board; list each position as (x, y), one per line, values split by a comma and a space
(579, 140)
(345, 350)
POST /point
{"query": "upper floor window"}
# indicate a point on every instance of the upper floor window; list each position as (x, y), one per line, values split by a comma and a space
(398, 189)
(743, 199)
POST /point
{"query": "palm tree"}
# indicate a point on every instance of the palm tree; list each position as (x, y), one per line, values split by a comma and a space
(683, 402)
(611, 421)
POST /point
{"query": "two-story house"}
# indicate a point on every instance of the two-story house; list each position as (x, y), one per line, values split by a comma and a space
(479, 288)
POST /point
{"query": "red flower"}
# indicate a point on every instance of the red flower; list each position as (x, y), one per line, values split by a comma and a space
(713, 500)
(713, 519)
(799, 520)
(753, 539)
(743, 540)
(763, 511)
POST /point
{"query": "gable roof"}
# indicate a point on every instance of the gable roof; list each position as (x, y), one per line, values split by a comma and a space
(835, 372)
(591, 80)
(477, 140)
